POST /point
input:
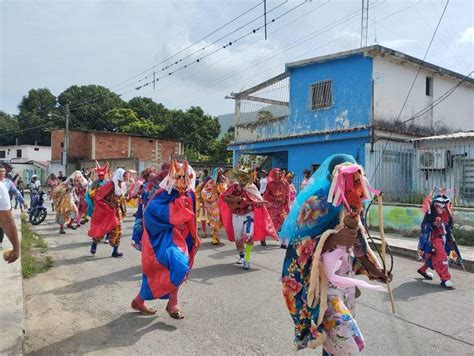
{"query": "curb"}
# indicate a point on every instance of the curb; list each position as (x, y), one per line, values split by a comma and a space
(12, 314)
(406, 252)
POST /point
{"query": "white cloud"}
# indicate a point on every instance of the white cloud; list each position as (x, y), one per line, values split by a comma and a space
(467, 36)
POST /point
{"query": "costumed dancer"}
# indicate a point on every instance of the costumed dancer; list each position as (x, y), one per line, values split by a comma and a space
(244, 215)
(277, 194)
(170, 240)
(64, 206)
(147, 185)
(78, 194)
(100, 178)
(437, 245)
(109, 211)
(202, 213)
(327, 247)
(210, 193)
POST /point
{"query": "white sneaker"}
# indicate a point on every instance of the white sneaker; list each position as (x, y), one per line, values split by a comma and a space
(246, 265)
(240, 260)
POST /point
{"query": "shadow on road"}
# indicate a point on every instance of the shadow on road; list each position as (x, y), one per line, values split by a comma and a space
(121, 332)
(414, 289)
(71, 246)
(207, 273)
(124, 275)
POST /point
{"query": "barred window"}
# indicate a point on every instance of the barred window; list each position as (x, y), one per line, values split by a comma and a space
(320, 95)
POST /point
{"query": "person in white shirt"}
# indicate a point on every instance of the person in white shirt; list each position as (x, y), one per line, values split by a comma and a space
(263, 182)
(7, 223)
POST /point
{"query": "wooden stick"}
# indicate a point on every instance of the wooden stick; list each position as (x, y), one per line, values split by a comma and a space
(383, 245)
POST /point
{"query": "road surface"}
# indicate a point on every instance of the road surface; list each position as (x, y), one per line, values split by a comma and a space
(82, 306)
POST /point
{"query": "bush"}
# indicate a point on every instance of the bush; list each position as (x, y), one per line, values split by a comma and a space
(33, 249)
(463, 237)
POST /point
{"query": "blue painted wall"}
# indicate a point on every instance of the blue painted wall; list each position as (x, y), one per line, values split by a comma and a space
(351, 93)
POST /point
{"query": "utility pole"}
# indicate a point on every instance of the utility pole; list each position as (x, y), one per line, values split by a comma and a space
(364, 23)
(154, 80)
(265, 16)
(66, 140)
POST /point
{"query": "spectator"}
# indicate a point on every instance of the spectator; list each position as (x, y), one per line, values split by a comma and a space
(61, 177)
(307, 178)
(263, 181)
(34, 186)
(19, 198)
(7, 223)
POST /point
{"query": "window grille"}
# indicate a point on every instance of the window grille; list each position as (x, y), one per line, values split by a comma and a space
(321, 95)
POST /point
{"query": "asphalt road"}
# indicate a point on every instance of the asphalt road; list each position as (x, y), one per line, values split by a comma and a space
(82, 305)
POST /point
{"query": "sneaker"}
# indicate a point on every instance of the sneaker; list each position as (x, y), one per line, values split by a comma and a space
(246, 265)
(283, 246)
(117, 254)
(447, 284)
(62, 231)
(71, 227)
(240, 261)
(263, 243)
(106, 242)
(426, 275)
(93, 249)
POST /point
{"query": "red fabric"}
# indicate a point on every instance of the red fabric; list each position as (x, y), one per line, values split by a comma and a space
(277, 194)
(181, 212)
(263, 225)
(440, 259)
(104, 219)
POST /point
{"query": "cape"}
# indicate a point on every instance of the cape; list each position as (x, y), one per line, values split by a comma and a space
(168, 248)
(263, 225)
(104, 218)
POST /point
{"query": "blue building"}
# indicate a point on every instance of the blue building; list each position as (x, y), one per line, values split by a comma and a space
(340, 103)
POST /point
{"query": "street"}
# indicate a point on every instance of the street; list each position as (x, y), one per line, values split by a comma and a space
(82, 305)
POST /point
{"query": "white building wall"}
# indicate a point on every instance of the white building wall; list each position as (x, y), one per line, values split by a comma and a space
(392, 81)
(28, 153)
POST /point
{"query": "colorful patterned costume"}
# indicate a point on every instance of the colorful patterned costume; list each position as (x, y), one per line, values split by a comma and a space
(109, 211)
(169, 241)
(202, 213)
(437, 244)
(78, 194)
(244, 216)
(64, 202)
(101, 177)
(277, 195)
(210, 193)
(317, 287)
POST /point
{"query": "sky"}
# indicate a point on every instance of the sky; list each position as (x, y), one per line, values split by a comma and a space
(56, 44)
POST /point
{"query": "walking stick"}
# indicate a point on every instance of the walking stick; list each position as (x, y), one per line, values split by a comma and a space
(382, 243)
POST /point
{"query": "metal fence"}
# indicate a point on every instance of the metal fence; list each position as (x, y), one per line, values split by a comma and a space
(407, 171)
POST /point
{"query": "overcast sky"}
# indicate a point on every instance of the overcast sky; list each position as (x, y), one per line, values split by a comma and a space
(56, 44)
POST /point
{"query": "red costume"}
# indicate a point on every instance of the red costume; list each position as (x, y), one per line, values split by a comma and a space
(277, 194)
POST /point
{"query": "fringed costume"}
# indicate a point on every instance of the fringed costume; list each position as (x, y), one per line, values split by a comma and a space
(169, 241)
(317, 282)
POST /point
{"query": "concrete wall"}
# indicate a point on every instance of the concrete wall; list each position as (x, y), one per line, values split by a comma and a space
(407, 218)
(392, 81)
(351, 107)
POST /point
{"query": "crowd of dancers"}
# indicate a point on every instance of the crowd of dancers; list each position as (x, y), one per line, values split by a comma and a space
(322, 229)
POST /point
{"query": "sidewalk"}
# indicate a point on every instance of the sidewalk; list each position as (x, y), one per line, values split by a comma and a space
(407, 247)
(11, 305)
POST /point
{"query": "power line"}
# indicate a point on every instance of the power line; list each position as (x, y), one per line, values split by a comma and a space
(411, 88)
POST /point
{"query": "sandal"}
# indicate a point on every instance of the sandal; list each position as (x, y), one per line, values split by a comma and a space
(143, 308)
(176, 314)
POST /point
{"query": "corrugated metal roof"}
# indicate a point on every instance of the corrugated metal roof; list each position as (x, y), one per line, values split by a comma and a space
(457, 135)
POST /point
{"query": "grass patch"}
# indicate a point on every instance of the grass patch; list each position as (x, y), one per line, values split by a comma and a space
(463, 237)
(33, 248)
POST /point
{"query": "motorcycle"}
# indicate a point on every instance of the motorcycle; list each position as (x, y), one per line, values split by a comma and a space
(38, 212)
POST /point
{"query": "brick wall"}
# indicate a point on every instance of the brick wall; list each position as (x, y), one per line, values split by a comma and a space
(112, 146)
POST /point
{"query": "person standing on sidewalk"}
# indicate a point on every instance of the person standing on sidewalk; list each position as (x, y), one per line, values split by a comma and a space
(11, 190)
(7, 223)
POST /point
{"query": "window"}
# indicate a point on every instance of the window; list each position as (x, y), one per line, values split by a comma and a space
(18, 153)
(321, 95)
(2, 154)
(429, 86)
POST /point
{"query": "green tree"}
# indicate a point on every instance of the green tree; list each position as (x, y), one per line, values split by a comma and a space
(219, 153)
(8, 129)
(35, 109)
(194, 127)
(89, 105)
(146, 108)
